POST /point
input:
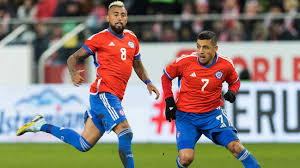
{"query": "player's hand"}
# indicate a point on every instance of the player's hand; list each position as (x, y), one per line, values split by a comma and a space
(151, 88)
(230, 96)
(170, 109)
(76, 78)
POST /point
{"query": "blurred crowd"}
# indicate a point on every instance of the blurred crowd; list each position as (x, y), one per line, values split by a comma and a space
(231, 28)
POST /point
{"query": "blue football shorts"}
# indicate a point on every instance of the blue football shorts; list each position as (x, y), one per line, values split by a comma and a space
(106, 111)
(214, 125)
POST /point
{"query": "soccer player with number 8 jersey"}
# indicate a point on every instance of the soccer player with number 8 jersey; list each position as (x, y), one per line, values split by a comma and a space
(198, 108)
(115, 51)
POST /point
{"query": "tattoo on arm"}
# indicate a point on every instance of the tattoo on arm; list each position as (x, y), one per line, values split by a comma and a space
(73, 60)
(140, 70)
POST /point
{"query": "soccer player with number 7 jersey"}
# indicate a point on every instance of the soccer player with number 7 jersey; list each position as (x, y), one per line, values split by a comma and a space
(198, 108)
(115, 51)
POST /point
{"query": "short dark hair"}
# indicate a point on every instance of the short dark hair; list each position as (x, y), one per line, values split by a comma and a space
(208, 35)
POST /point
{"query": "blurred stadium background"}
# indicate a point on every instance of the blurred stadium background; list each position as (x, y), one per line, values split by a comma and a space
(260, 36)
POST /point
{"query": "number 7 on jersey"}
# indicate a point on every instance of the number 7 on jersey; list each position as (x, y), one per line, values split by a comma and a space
(205, 81)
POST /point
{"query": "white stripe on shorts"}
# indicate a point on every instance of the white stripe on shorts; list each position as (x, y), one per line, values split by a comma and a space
(110, 109)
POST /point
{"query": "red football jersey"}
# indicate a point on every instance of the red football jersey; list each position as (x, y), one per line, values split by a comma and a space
(113, 59)
(201, 86)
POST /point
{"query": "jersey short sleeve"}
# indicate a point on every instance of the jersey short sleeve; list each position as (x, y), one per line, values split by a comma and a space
(173, 70)
(137, 54)
(232, 76)
(91, 44)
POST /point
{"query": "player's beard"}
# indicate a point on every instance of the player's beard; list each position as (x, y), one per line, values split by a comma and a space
(118, 30)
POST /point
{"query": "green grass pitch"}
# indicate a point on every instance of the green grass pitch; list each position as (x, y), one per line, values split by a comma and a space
(37, 155)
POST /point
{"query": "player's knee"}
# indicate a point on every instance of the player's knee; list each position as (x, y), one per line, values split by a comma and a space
(121, 126)
(186, 159)
(235, 147)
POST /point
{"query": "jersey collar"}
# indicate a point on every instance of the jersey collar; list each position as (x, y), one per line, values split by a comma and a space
(215, 60)
(115, 34)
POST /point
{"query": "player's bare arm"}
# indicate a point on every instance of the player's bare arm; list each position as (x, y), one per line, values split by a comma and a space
(72, 61)
(142, 74)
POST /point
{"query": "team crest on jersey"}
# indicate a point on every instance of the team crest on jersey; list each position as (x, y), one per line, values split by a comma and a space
(122, 112)
(131, 44)
(219, 74)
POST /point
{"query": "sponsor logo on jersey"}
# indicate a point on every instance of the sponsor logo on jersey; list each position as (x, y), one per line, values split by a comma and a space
(111, 44)
(193, 74)
(131, 44)
(219, 74)
(122, 112)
